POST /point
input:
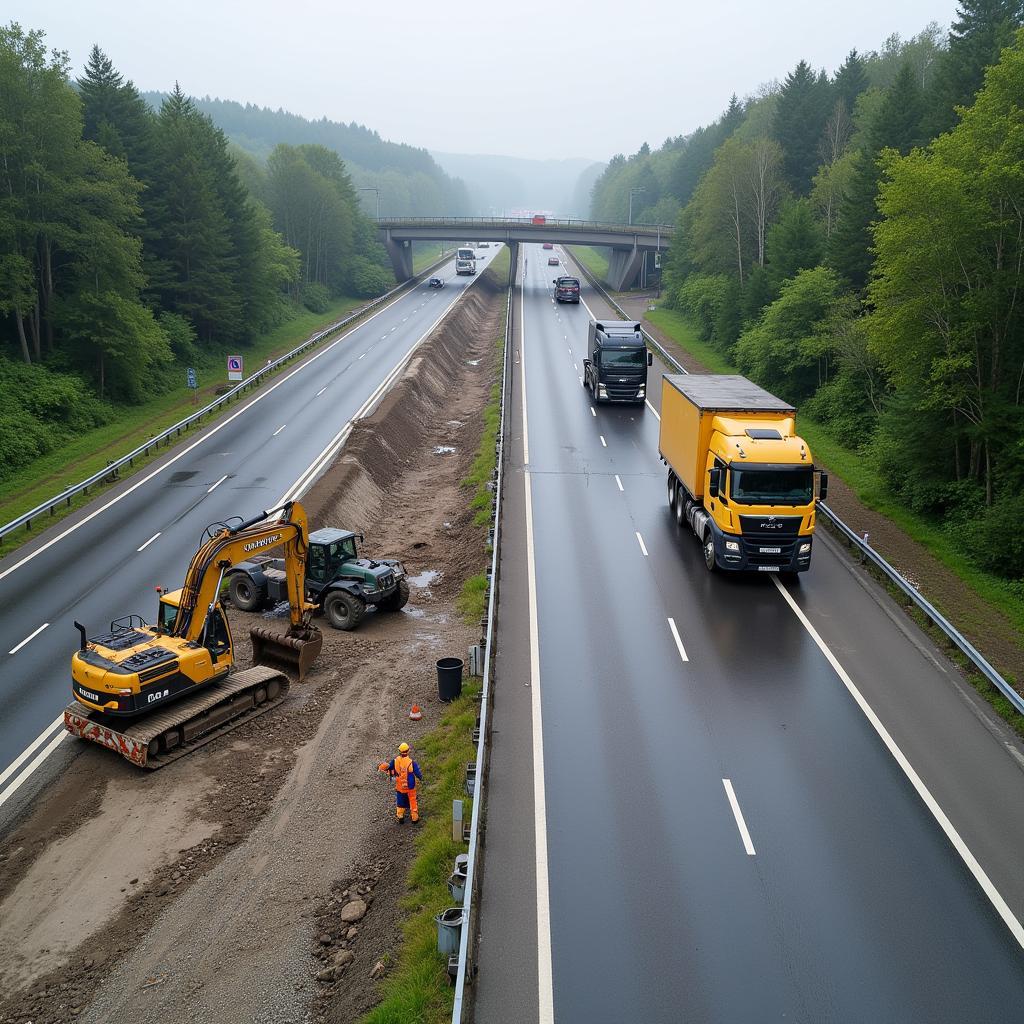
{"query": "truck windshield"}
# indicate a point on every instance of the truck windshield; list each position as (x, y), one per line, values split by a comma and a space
(780, 486)
(623, 357)
(466, 254)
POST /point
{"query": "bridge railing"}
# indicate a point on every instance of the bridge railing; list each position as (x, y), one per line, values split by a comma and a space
(666, 230)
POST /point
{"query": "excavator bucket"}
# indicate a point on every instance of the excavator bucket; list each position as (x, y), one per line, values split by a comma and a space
(296, 650)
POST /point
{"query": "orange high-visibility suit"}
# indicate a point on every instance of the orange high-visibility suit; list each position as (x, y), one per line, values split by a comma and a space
(405, 771)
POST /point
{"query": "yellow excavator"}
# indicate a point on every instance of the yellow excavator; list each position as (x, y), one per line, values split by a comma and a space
(154, 692)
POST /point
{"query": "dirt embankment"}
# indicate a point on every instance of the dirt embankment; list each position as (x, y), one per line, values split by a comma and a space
(212, 890)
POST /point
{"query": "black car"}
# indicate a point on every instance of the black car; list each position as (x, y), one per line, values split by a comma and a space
(436, 282)
(567, 289)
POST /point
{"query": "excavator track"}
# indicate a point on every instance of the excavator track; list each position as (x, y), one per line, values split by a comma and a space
(185, 725)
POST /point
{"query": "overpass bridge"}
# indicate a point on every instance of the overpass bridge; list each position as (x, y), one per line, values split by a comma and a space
(628, 242)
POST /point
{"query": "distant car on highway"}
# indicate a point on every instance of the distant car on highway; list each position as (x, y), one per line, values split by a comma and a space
(552, 261)
(484, 245)
(436, 282)
(548, 245)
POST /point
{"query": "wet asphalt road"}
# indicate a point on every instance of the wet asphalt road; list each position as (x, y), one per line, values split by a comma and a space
(853, 905)
(249, 463)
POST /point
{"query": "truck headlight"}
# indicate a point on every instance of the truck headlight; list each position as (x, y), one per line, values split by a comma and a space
(805, 548)
(641, 392)
(732, 545)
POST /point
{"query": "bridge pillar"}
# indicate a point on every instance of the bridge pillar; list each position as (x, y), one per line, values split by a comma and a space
(623, 267)
(401, 257)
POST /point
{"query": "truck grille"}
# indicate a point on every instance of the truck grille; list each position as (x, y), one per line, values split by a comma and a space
(769, 529)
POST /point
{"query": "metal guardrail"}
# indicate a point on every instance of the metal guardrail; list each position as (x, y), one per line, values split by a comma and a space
(481, 750)
(867, 552)
(143, 450)
(666, 230)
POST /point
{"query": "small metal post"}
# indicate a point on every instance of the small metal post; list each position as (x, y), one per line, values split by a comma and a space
(457, 821)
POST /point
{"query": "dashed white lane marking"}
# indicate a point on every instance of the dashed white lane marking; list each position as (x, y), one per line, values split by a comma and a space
(321, 391)
(593, 411)
(576, 367)
(31, 636)
(604, 443)
(738, 815)
(216, 485)
(619, 482)
(640, 541)
(363, 356)
(279, 429)
(679, 643)
(1011, 922)
(148, 542)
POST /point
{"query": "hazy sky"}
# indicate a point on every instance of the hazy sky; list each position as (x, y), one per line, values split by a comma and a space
(559, 78)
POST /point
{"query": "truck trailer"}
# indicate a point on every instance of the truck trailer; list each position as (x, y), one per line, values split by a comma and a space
(615, 369)
(738, 473)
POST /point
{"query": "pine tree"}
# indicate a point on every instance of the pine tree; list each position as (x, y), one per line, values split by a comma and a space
(803, 107)
(850, 81)
(116, 116)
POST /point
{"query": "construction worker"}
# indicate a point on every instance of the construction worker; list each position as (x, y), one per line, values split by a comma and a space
(405, 771)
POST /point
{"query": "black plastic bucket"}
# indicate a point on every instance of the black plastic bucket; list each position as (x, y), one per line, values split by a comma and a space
(449, 679)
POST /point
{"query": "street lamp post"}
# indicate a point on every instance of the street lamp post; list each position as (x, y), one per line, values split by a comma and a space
(633, 192)
(375, 191)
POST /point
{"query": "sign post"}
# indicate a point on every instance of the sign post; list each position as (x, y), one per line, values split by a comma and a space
(190, 377)
(234, 367)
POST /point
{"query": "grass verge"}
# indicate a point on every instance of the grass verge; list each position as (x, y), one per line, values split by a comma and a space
(863, 481)
(417, 991)
(595, 260)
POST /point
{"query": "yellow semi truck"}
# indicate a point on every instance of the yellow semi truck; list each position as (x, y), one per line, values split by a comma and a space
(738, 473)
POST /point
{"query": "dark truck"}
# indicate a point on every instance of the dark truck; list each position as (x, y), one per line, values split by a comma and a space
(615, 369)
(338, 581)
(567, 289)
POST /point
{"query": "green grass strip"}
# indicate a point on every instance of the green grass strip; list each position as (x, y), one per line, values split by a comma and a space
(418, 991)
(862, 479)
(595, 260)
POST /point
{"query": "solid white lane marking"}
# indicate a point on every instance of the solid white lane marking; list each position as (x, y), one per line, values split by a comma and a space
(604, 443)
(31, 636)
(1011, 922)
(279, 429)
(651, 407)
(28, 751)
(593, 411)
(148, 542)
(321, 391)
(679, 642)
(738, 815)
(217, 484)
(199, 440)
(545, 994)
(363, 356)
(643, 546)
(33, 765)
(619, 482)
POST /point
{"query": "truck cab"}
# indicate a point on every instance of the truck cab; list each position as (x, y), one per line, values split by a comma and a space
(615, 369)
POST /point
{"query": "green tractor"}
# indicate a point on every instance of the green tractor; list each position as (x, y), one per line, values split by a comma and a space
(338, 581)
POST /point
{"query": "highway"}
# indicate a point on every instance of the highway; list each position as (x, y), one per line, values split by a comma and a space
(106, 559)
(719, 799)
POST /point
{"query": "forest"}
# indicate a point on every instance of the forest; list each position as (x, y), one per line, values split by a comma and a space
(136, 241)
(854, 242)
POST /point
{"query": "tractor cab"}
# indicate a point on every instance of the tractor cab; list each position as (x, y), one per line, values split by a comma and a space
(333, 555)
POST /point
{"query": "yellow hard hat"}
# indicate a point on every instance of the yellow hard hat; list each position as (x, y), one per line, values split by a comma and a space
(403, 748)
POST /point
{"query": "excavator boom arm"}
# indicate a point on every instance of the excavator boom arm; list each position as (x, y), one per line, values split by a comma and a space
(230, 546)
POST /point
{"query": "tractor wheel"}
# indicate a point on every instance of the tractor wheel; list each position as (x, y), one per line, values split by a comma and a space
(344, 610)
(399, 599)
(244, 593)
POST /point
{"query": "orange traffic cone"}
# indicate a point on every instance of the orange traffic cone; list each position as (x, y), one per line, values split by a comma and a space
(415, 714)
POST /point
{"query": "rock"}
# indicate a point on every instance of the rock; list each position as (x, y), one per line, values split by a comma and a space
(175, 876)
(353, 911)
(378, 969)
(326, 975)
(325, 939)
(343, 958)
(134, 881)
(351, 933)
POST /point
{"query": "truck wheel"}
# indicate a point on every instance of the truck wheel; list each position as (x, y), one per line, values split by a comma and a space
(680, 508)
(709, 551)
(344, 610)
(244, 594)
(671, 493)
(398, 600)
